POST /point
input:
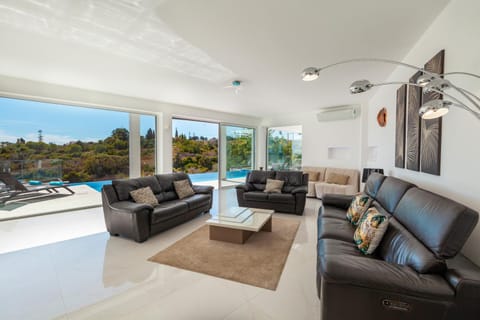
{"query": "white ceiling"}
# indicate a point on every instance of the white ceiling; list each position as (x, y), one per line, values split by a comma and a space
(187, 51)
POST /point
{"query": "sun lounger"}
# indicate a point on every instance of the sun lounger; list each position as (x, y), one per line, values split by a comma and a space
(17, 189)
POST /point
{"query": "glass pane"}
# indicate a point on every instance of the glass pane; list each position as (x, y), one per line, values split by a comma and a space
(195, 150)
(284, 148)
(238, 145)
(148, 143)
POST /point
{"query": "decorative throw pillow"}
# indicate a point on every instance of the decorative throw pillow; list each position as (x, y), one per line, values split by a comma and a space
(144, 195)
(370, 231)
(358, 207)
(312, 175)
(274, 186)
(183, 188)
(337, 178)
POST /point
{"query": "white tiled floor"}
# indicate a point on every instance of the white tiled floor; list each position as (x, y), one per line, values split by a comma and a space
(96, 276)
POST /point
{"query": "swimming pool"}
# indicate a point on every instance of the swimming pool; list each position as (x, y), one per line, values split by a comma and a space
(196, 177)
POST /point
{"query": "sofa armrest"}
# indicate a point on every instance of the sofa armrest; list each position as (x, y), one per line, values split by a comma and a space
(380, 275)
(464, 276)
(203, 189)
(341, 201)
(243, 187)
(301, 189)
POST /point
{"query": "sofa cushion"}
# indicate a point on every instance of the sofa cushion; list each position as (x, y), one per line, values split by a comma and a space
(332, 212)
(358, 207)
(370, 231)
(123, 187)
(197, 201)
(144, 195)
(183, 188)
(401, 247)
(168, 210)
(337, 247)
(281, 197)
(441, 224)
(274, 186)
(256, 196)
(257, 179)
(391, 191)
(337, 178)
(322, 188)
(373, 183)
(332, 228)
(312, 175)
(166, 182)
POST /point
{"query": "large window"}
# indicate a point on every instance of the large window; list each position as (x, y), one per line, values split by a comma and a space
(284, 148)
(43, 141)
(209, 156)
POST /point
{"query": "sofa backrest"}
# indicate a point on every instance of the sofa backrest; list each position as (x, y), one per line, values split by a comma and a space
(166, 183)
(257, 179)
(161, 185)
(391, 191)
(373, 183)
(124, 186)
(441, 224)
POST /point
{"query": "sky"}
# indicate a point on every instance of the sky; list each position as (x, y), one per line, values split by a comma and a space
(60, 124)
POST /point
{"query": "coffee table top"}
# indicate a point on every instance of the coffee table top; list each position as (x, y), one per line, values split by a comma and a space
(250, 219)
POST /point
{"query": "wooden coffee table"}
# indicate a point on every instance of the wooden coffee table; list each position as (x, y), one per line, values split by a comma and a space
(239, 223)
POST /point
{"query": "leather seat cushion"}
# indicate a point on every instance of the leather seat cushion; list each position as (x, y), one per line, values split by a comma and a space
(168, 210)
(256, 196)
(281, 197)
(125, 186)
(332, 212)
(197, 201)
(338, 247)
(333, 228)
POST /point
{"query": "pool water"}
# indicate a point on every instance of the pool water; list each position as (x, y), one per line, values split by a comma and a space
(197, 177)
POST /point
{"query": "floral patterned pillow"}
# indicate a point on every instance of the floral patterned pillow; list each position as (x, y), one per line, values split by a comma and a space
(370, 231)
(183, 189)
(358, 207)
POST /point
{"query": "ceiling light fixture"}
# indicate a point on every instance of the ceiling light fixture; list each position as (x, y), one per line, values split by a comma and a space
(429, 81)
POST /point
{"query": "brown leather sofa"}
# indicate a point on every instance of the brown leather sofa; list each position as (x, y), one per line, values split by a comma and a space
(290, 200)
(417, 272)
(138, 221)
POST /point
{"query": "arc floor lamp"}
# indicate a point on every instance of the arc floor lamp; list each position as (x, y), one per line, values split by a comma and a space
(429, 81)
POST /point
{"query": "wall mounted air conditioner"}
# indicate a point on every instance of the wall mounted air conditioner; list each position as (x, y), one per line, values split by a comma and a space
(337, 113)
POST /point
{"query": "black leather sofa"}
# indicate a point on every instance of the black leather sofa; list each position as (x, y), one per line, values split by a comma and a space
(290, 200)
(417, 272)
(138, 221)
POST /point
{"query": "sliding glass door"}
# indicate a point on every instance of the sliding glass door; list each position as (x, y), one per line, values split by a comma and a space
(237, 148)
(284, 148)
(195, 150)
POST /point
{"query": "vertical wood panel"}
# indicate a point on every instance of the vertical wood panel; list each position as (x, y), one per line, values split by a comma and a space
(400, 127)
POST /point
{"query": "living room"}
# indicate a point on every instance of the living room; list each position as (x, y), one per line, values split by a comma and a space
(67, 266)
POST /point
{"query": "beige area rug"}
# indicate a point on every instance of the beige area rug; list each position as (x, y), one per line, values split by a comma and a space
(258, 262)
(84, 197)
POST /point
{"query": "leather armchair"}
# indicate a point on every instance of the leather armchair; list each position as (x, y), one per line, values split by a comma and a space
(291, 200)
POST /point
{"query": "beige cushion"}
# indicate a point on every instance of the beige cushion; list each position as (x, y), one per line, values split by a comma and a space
(370, 230)
(322, 188)
(274, 186)
(144, 195)
(312, 175)
(183, 188)
(337, 178)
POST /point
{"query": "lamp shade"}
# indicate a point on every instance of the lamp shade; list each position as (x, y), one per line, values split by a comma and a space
(368, 171)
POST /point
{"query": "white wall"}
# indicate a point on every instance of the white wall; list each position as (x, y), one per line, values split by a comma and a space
(318, 137)
(40, 91)
(456, 30)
